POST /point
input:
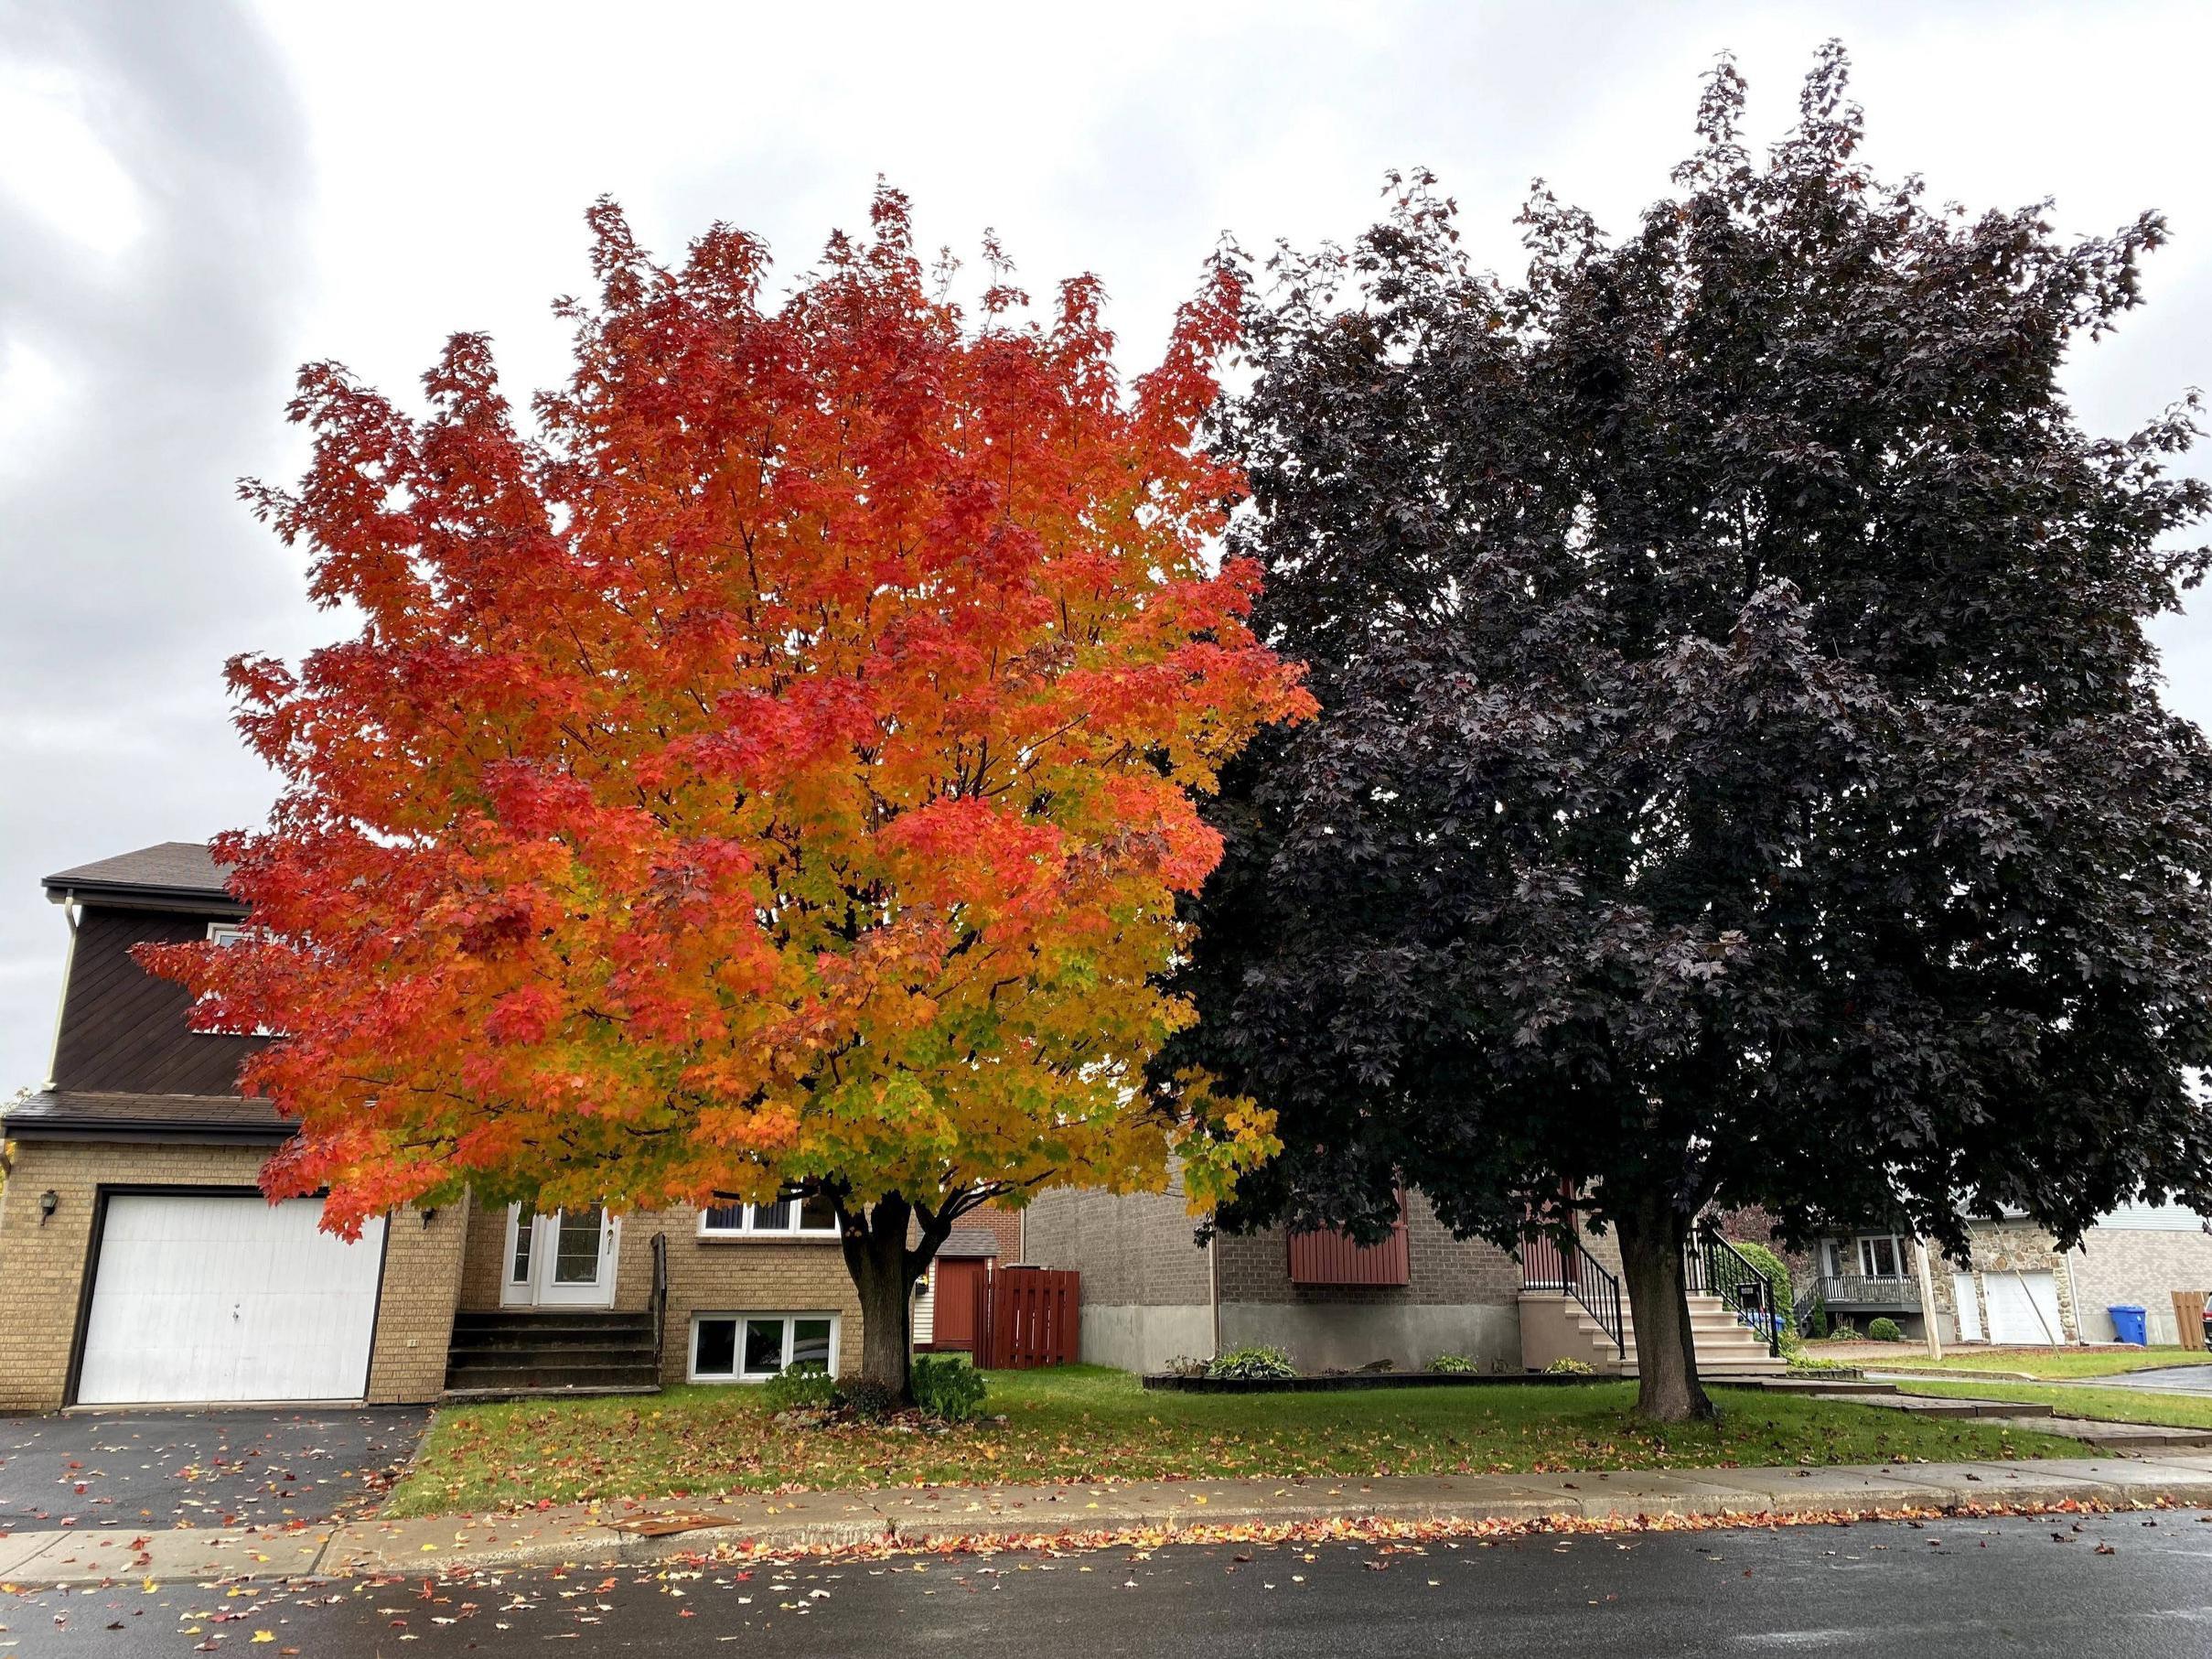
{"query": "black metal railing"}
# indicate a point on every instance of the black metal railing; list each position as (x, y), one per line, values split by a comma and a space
(659, 1290)
(1551, 1263)
(1713, 1266)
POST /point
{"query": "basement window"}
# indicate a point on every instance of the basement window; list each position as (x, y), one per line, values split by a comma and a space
(786, 1218)
(754, 1347)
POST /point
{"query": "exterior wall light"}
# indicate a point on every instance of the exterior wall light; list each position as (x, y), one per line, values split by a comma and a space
(49, 1201)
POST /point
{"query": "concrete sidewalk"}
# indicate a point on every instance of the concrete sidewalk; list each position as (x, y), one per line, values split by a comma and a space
(921, 1518)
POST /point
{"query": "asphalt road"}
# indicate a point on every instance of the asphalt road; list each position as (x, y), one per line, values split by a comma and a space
(230, 1468)
(2167, 1379)
(2118, 1587)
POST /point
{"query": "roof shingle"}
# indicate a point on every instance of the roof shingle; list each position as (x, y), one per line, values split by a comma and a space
(174, 866)
(60, 1112)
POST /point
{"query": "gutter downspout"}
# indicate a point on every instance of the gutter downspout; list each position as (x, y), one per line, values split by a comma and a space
(68, 962)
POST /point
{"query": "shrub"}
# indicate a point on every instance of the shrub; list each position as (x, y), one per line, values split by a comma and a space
(1453, 1364)
(1185, 1365)
(1565, 1367)
(1845, 1331)
(1253, 1365)
(866, 1399)
(947, 1387)
(1776, 1272)
(1802, 1361)
(1885, 1330)
(807, 1386)
(1816, 1326)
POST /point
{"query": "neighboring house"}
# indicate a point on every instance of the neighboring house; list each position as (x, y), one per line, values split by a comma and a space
(142, 1264)
(1151, 1294)
(2017, 1286)
(1868, 1275)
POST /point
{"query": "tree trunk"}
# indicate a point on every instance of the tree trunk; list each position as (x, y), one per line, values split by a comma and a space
(883, 1272)
(1652, 1233)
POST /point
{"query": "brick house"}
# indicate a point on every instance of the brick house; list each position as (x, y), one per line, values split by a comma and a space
(141, 1264)
(1151, 1294)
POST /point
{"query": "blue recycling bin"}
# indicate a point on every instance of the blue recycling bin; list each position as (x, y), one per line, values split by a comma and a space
(2129, 1325)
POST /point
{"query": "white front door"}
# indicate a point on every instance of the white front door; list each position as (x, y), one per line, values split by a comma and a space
(563, 1260)
(226, 1297)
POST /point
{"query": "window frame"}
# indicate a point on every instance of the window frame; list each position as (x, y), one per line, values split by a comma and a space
(746, 1229)
(738, 1373)
(1896, 1255)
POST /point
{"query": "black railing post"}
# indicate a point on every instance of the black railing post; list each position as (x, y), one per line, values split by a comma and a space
(1547, 1263)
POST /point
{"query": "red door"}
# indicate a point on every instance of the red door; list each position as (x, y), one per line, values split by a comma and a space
(955, 1292)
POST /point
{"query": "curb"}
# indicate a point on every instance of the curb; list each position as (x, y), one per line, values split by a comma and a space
(1482, 1506)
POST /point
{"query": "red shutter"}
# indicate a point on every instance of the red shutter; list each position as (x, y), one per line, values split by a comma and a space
(1329, 1258)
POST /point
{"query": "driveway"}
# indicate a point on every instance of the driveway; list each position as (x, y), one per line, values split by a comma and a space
(214, 1468)
(2167, 1379)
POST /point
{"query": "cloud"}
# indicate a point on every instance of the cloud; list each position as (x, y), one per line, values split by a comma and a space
(152, 182)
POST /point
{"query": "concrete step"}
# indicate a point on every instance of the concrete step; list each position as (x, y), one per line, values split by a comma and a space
(550, 1377)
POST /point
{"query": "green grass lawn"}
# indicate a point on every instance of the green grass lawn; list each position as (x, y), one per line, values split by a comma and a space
(1087, 1422)
(2046, 1361)
(2105, 1405)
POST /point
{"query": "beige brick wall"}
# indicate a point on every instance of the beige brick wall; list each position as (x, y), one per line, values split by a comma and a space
(414, 1312)
(2143, 1266)
(734, 1276)
(1133, 1252)
(42, 1268)
(704, 1275)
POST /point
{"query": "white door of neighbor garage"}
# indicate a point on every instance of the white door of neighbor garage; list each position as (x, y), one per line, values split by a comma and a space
(2023, 1307)
(1969, 1311)
(228, 1297)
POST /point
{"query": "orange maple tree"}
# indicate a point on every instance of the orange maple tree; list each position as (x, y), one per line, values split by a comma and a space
(772, 773)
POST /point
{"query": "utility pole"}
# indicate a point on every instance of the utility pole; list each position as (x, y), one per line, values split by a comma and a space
(1927, 1298)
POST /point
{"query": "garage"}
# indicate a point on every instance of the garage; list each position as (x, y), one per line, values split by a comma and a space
(2023, 1307)
(209, 1296)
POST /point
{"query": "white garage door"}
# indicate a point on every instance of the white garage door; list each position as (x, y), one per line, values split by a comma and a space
(227, 1297)
(2023, 1307)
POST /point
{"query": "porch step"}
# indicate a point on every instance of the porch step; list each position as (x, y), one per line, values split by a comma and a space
(562, 1351)
(1726, 1348)
(553, 1379)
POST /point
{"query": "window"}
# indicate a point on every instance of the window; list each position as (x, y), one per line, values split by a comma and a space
(786, 1218)
(228, 933)
(1880, 1256)
(754, 1347)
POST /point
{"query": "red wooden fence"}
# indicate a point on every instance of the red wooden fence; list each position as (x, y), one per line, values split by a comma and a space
(1026, 1317)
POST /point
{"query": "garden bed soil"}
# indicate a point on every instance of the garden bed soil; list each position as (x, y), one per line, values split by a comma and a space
(1356, 1381)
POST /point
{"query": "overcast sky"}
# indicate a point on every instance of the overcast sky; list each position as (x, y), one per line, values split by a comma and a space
(195, 197)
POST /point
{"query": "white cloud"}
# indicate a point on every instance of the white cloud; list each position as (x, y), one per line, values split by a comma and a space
(53, 162)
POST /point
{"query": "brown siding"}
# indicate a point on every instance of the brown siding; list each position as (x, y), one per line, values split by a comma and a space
(122, 1029)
